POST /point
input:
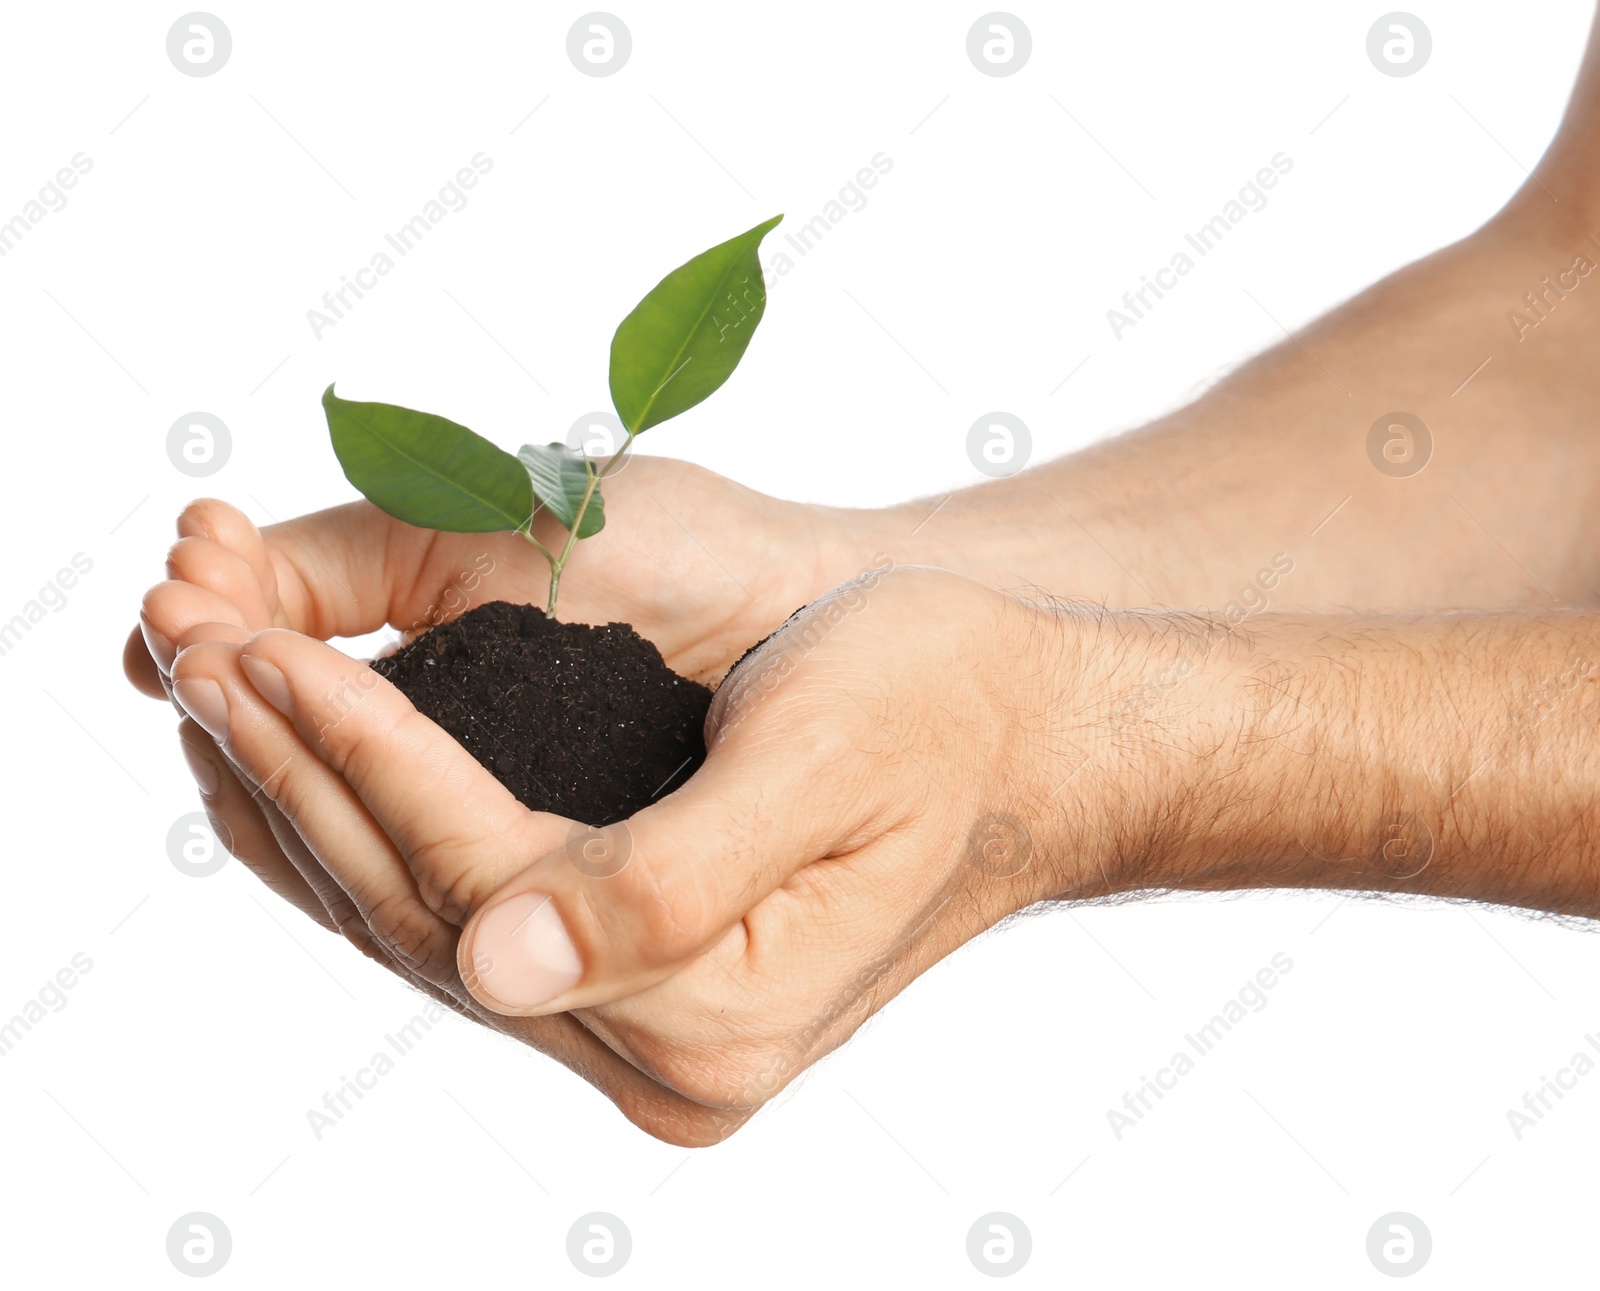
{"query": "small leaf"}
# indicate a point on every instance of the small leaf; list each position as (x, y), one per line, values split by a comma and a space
(559, 477)
(426, 470)
(684, 339)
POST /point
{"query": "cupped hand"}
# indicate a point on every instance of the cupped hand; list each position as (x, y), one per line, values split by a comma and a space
(871, 800)
(699, 564)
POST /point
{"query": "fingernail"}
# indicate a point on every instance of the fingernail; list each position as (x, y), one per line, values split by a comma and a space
(160, 646)
(522, 954)
(205, 774)
(203, 700)
(269, 683)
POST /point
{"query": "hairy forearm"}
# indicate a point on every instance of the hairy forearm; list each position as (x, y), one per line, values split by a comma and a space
(1451, 755)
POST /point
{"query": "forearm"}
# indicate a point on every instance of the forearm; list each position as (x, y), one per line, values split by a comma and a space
(1454, 756)
(1275, 461)
(1490, 342)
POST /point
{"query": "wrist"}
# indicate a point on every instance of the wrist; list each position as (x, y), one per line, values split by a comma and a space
(1154, 725)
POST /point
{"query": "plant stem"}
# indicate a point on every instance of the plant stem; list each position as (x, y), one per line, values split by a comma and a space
(527, 532)
(559, 563)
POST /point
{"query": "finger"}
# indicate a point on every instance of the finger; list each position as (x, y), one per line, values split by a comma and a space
(810, 964)
(231, 633)
(326, 574)
(220, 551)
(229, 527)
(353, 570)
(208, 631)
(171, 609)
(460, 832)
(340, 910)
(207, 563)
(239, 825)
(271, 842)
(320, 806)
(676, 877)
(659, 1111)
(345, 571)
(263, 837)
(139, 666)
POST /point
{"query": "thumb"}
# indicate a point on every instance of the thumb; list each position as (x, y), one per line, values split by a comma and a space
(620, 908)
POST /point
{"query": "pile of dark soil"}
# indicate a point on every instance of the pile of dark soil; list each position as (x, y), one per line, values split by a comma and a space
(587, 722)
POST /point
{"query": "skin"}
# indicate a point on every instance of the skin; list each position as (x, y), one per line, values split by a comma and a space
(1409, 708)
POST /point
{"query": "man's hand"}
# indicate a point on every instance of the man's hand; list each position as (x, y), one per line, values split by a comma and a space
(703, 566)
(908, 762)
(698, 564)
(864, 809)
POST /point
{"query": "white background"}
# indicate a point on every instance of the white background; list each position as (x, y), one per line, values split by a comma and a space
(179, 1073)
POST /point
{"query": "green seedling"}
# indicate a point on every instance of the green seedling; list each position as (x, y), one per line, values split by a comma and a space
(677, 346)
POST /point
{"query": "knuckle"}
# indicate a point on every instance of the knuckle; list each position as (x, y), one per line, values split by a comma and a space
(824, 744)
(185, 558)
(411, 931)
(668, 908)
(151, 602)
(357, 935)
(447, 881)
(361, 750)
(347, 920)
(199, 517)
(278, 785)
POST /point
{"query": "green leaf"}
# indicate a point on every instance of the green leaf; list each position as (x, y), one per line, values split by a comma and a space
(426, 470)
(559, 477)
(684, 339)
